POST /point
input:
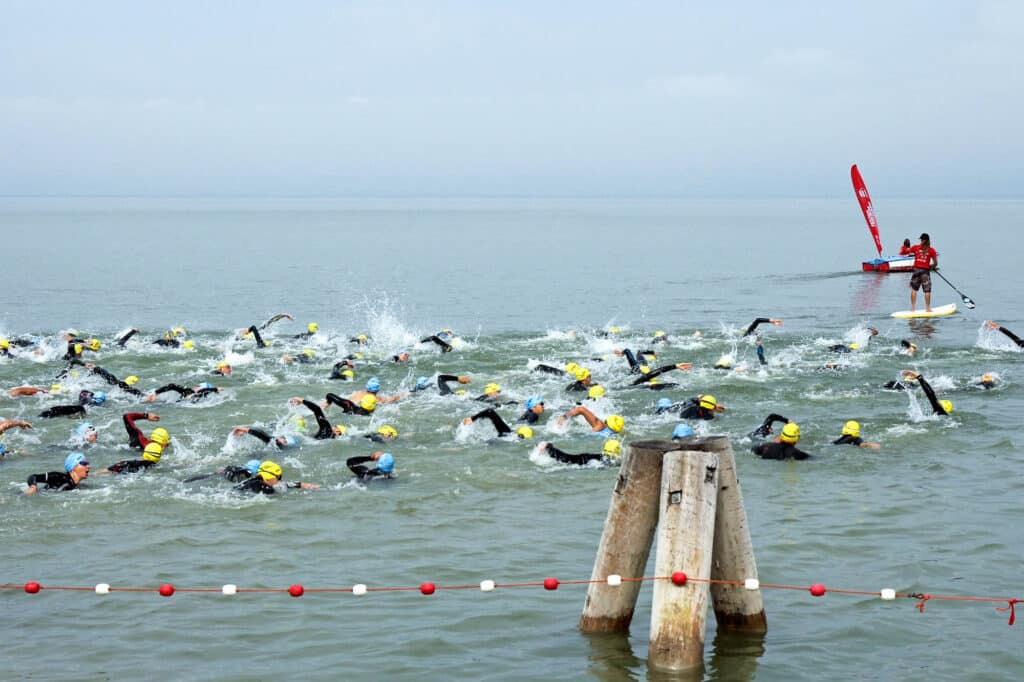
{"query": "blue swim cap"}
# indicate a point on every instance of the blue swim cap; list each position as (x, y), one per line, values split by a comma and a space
(99, 397)
(290, 441)
(422, 383)
(205, 385)
(252, 466)
(533, 402)
(664, 403)
(682, 431)
(2, 449)
(83, 429)
(386, 462)
(72, 461)
(373, 384)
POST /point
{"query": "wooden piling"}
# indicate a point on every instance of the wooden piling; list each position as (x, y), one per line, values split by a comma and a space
(687, 501)
(626, 540)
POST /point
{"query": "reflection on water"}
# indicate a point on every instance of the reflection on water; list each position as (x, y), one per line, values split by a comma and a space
(734, 656)
(922, 328)
(865, 298)
(611, 657)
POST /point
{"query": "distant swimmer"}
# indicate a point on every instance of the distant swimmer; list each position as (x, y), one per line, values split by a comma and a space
(783, 447)
(255, 333)
(907, 347)
(439, 341)
(76, 470)
(306, 357)
(582, 383)
(703, 406)
(609, 456)
(851, 436)
(136, 438)
(223, 368)
(128, 385)
(601, 427)
(21, 391)
(595, 392)
(635, 363)
(847, 348)
(78, 346)
(280, 442)
(765, 429)
(895, 385)
(492, 394)
(84, 398)
(373, 388)
(999, 328)
(193, 394)
(401, 356)
(361, 340)
(311, 329)
(343, 370)
(268, 481)
(277, 318)
(367, 404)
(648, 374)
(925, 259)
(235, 474)
(548, 369)
(385, 433)
(940, 407)
(987, 381)
(385, 466)
(759, 321)
(759, 345)
(422, 384)
(660, 337)
(534, 409)
(170, 339)
(325, 429)
(123, 339)
(500, 426)
(150, 456)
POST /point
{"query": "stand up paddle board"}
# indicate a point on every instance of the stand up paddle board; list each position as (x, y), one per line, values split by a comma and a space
(940, 311)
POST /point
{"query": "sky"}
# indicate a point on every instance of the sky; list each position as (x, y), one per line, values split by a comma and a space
(476, 98)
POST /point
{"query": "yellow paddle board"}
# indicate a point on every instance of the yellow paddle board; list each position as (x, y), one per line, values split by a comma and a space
(940, 311)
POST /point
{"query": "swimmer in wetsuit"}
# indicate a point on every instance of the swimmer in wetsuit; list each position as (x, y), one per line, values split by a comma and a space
(325, 430)
(582, 382)
(503, 429)
(76, 470)
(194, 394)
(650, 374)
(280, 442)
(441, 343)
(444, 379)
(84, 398)
(367, 404)
(534, 409)
(759, 321)
(311, 329)
(987, 381)
(136, 438)
(255, 333)
(343, 370)
(609, 455)
(601, 427)
(765, 429)
(267, 481)
(940, 407)
(783, 447)
(1010, 335)
(128, 385)
(385, 466)
(235, 474)
(150, 456)
(702, 407)
(851, 436)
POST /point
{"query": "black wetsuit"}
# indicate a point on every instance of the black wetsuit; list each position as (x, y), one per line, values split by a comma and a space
(324, 427)
(355, 464)
(778, 451)
(894, 385)
(577, 386)
(634, 366)
(266, 437)
(580, 459)
(62, 411)
(754, 324)
(530, 417)
(986, 384)
(168, 343)
(1013, 337)
(548, 369)
(130, 466)
(445, 346)
(766, 426)
(54, 480)
(691, 409)
(124, 339)
(257, 486)
(346, 405)
(499, 423)
(256, 335)
(339, 367)
(236, 474)
(303, 335)
(303, 359)
(184, 392)
(442, 383)
(930, 394)
(653, 373)
(846, 439)
(840, 348)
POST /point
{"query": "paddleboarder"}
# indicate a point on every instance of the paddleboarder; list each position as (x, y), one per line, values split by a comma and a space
(925, 259)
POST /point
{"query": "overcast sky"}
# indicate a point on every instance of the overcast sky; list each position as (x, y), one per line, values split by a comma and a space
(477, 98)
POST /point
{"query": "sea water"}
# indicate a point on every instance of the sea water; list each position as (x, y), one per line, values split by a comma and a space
(937, 510)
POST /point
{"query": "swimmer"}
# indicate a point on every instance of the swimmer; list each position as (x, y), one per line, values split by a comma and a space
(444, 379)
(136, 438)
(703, 406)
(492, 394)
(422, 384)
(847, 348)
(660, 337)
(367, 404)
(987, 381)
(614, 424)
(609, 456)
(783, 447)
(255, 333)
(325, 430)
(582, 382)
(534, 409)
(276, 318)
(223, 368)
(940, 407)
(851, 436)
(280, 442)
(128, 385)
(401, 356)
(441, 343)
(999, 328)
(907, 348)
(193, 394)
(384, 433)
(760, 321)
(84, 398)
(649, 374)
(235, 474)
(385, 466)
(8, 424)
(634, 363)
(765, 429)
(77, 346)
(84, 434)
(343, 370)
(306, 357)
(76, 470)
(373, 388)
(503, 429)
(150, 456)
(360, 340)
(123, 339)
(311, 329)
(267, 481)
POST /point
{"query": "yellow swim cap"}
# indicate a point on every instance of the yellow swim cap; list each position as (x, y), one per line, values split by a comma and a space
(4, 343)
(312, 327)
(300, 423)
(612, 447)
(851, 428)
(189, 344)
(947, 405)
(658, 334)
(388, 431)
(615, 423)
(790, 433)
(369, 402)
(723, 363)
(357, 356)
(854, 346)
(644, 369)
(348, 374)
(222, 364)
(178, 331)
(308, 352)
(524, 432)
(571, 367)
(987, 377)
(339, 430)
(78, 349)
(708, 402)
(460, 391)
(56, 388)
(596, 391)
(94, 344)
(152, 452)
(131, 380)
(582, 374)
(160, 435)
(363, 337)
(269, 470)
(492, 388)
(614, 330)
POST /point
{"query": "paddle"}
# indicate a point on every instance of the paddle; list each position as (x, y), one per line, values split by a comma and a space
(966, 299)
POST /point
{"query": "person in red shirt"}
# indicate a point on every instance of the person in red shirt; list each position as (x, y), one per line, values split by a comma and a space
(906, 249)
(925, 259)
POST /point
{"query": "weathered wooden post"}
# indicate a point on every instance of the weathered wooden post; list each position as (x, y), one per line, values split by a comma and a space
(686, 533)
(625, 542)
(736, 608)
